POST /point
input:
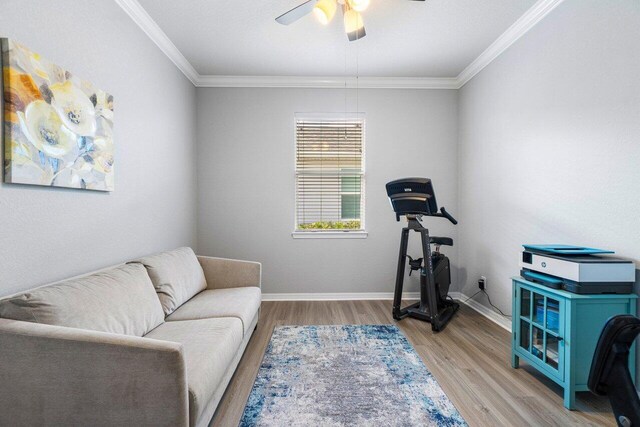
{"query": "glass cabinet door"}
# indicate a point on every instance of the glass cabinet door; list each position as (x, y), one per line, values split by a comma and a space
(540, 326)
(537, 346)
(538, 308)
(525, 303)
(552, 357)
(552, 322)
(525, 334)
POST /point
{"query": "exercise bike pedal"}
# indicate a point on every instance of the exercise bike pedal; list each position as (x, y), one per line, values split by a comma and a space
(414, 264)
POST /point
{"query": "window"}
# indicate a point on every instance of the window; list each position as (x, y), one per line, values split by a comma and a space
(329, 176)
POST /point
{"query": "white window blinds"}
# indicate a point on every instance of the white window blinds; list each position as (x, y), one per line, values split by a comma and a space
(329, 174)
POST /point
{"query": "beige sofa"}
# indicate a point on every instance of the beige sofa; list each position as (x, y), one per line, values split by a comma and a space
(153, 342)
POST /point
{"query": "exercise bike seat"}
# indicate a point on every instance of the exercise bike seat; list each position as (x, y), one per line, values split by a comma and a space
(447, 241)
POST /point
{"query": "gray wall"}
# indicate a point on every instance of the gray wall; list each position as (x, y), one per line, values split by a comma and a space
(547, 151)
(246, 154)
(48, 234)
(550, 143)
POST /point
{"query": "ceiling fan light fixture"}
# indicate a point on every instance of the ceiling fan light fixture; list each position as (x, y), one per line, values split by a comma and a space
(353, 24)
(325, 10)
(359, 5)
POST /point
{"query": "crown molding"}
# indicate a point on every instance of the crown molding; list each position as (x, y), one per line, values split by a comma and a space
(519, 28)
(527, 21)
(155, 33)
(329, 82)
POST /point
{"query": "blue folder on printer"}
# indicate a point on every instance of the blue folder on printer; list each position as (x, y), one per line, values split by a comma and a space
(577, 269)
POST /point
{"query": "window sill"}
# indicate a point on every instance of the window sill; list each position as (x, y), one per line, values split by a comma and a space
(329, 234)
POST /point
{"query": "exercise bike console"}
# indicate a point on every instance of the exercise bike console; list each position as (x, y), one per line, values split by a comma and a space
(414, 198)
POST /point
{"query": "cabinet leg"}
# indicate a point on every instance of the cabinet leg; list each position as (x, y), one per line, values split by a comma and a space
(515, 361)
(569, 399)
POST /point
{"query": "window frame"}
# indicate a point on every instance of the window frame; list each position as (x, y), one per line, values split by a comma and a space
(362, 233)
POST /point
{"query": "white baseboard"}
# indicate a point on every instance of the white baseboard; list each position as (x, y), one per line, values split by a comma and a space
(339, 296)
(352, 296)
(487, 312)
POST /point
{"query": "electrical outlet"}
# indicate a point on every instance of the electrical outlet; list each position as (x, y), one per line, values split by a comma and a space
(482, 283)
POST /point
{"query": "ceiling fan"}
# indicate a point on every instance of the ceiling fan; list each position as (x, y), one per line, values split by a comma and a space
(325, 10)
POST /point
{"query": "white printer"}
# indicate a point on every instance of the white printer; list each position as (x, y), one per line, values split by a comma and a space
(577, 269)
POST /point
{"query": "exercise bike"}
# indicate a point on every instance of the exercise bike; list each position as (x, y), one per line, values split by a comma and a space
(414, 198)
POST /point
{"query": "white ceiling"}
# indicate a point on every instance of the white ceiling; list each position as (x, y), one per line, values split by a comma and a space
(435, 38)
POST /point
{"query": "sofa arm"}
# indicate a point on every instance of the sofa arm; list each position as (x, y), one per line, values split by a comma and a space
(222, 273)
(53, 375)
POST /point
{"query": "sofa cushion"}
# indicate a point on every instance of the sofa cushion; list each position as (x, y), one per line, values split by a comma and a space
(209, 349)
(120, 300)
(242, 303)
(176, 275)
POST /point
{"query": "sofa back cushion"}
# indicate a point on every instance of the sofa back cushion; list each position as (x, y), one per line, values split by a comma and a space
(120, 300)
(176, 275)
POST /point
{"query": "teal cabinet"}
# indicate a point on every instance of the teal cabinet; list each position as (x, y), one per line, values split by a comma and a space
(557, 331)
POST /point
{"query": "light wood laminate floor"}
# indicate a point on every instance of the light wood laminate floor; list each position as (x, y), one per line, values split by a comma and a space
(470, 359)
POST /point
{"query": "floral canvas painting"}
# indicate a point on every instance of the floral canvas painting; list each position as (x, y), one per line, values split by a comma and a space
(58, 129)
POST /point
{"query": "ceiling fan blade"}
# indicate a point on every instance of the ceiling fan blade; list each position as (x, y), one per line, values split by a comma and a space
(296, 13)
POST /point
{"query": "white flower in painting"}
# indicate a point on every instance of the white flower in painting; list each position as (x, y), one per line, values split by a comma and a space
(104, 163)
(105, 128)
(104, 105)
(29, 62)
(103, 158)
(88, 172)
(74, 107)
(80, 172)
(27, 171)
(56, 73)
(20, 151)
(24, 169)
(44, 129)
(103, 144)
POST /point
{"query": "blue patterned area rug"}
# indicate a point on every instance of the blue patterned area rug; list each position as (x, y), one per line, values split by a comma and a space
(349, 375)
